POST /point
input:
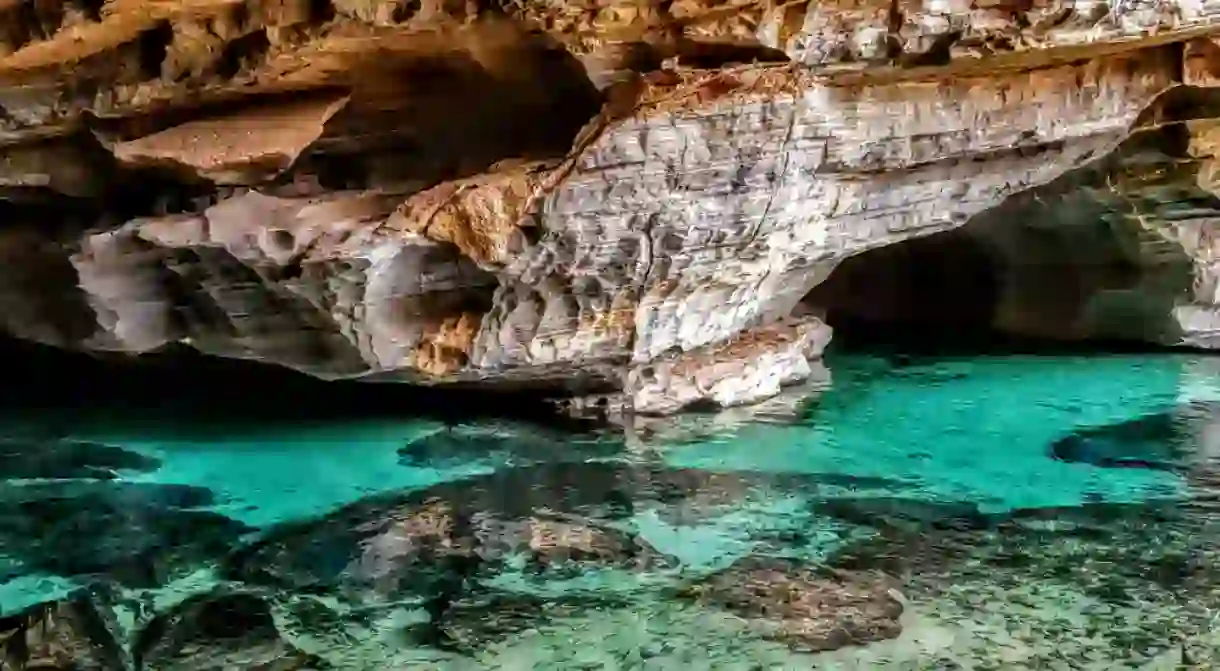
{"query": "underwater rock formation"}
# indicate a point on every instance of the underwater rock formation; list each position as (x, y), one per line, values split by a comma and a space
(221, 629)
(431, 543)
(1153, 441)
(588, 553)
(75, 632)
(64, 459)
(658, 199)
(142, 534)
(460, 446)
(810, 609)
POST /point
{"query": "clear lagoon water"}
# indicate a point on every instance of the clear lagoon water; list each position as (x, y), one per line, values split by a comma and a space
(921, 512)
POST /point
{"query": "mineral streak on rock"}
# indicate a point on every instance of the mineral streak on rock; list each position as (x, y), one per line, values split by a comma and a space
(632, 196)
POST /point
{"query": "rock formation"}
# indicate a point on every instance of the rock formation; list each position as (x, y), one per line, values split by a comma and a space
(657, 199)
(811, 610)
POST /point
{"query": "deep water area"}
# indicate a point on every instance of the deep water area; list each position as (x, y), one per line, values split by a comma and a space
(917, 510)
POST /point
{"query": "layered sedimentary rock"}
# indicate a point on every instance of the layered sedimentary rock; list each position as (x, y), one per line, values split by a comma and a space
(656, 200)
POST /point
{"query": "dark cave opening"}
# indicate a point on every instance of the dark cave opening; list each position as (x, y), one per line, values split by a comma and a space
(1010, 281)
(927, 289)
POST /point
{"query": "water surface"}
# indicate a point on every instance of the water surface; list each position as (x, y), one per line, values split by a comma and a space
(1007, 512)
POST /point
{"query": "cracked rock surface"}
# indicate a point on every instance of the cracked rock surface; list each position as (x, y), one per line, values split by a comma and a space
(625, 197)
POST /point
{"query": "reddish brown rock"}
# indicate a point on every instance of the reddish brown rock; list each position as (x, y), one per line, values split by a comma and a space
(248, 147)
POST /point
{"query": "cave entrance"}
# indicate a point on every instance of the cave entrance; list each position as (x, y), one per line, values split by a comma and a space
(1023, 275)
(922, 290)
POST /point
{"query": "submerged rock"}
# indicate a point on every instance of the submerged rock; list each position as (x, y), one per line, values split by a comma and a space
(1154, 442)
(1112, 585)
(550, 520)
(467, 445)
(482, 619)
(73, 633)
(904, 513)
(695, 423)
(65, 459)
(1109, 551)
(433, 543)
(137, 534)
(809, 608)
(220, 630)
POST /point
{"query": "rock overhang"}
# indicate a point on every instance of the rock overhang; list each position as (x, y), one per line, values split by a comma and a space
(380, 234)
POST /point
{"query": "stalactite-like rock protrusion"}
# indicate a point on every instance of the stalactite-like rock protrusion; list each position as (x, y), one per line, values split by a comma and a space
(656, 200)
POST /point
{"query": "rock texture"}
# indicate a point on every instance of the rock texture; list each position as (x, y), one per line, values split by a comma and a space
(810, 610)
(637, 197)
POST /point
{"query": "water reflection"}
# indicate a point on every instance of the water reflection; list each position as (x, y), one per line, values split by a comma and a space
(922, 513)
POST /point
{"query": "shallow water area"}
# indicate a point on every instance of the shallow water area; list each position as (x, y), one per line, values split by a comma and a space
(923, 512)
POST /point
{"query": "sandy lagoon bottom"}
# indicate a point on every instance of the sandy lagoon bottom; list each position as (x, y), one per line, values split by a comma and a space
(1009, 512)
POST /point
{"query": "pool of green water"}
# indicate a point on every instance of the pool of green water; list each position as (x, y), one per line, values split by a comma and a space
(921, 512)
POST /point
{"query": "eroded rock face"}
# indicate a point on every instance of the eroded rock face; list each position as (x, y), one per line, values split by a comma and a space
(624, 197)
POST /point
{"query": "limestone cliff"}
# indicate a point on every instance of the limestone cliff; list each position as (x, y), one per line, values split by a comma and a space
(657, 197)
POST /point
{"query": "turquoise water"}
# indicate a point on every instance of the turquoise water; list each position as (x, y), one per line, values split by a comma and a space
(1008, 512)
